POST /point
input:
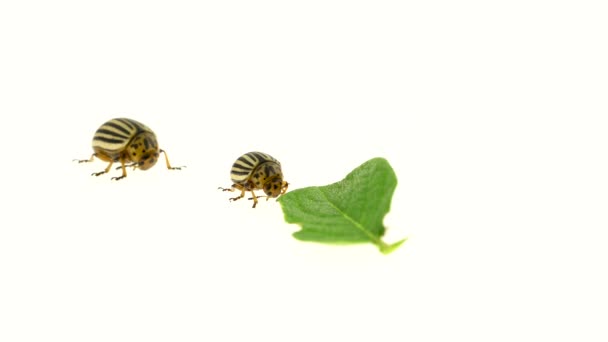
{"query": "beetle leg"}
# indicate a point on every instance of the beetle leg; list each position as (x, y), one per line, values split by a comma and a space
(258, 196)
(133, 165)
(86, 160)
(232, 189)
(167, 162)
(104, 171)
(124, 170)
(239, 196)
(254, 198)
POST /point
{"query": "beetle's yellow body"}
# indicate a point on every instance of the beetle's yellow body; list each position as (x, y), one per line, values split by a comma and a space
(257, 171)
(129, 142)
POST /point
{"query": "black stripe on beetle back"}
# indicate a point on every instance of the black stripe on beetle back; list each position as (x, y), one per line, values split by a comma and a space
(244, 161)
(241, 167)
(260, 157)
(118, 127)
(112, 133)
(240, 173)
(108, 140)
(129, 123)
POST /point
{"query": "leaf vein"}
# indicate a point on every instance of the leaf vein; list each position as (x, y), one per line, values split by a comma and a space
(358, 225)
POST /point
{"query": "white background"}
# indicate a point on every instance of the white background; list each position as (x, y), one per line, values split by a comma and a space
(490, 113)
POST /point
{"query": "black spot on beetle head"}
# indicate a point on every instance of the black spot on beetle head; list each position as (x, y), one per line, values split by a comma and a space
(147, 161)
(273, 187)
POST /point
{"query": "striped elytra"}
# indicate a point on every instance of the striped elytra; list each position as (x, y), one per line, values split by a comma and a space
(129, 142)
(257, 171)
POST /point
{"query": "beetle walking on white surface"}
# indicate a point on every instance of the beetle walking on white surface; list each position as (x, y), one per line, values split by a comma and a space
(129, 142)
(257, 171)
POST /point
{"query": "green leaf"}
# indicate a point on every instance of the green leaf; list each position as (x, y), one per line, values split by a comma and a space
(349, 211)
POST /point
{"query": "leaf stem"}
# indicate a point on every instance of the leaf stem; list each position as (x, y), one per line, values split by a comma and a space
(388, 249)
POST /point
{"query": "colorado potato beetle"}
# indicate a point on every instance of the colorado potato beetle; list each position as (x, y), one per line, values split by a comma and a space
(129, 142)
(257, 171)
